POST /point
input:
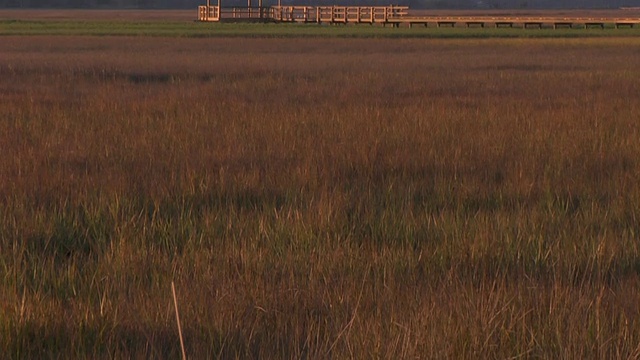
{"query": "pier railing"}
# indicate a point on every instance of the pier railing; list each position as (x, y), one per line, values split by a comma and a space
(208, 13)
(396, 16)
(306, 14)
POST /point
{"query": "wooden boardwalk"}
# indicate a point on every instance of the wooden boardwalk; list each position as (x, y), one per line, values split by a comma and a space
(306, 14)
(516, 21)
(400, 16)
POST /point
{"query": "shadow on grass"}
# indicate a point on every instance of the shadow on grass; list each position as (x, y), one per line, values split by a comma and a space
(34, 340)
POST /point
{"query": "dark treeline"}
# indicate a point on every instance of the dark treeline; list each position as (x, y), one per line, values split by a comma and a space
(427, 4)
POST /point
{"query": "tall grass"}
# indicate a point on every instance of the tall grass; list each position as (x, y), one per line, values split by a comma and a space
(319, 198)
(31, 25)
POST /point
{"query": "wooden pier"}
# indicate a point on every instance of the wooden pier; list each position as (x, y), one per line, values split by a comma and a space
(397, 16)
(516, 21)
(306, 14)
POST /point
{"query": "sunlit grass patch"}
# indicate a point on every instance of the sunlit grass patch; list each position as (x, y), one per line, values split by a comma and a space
(195, 29)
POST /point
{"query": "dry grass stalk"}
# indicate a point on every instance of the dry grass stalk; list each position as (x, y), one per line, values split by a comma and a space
(175, 303)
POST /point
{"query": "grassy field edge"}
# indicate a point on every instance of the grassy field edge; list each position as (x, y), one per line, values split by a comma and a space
(196, 29)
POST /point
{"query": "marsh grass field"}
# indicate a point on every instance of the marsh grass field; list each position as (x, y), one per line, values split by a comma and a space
(182, 24)
(319, 198)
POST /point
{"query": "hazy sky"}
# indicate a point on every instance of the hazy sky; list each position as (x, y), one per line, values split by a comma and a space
(505, 4)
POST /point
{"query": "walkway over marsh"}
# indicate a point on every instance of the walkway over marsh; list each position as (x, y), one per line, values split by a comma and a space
(400, 15)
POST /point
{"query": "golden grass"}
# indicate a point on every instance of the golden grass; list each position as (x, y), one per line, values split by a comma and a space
(319, 198)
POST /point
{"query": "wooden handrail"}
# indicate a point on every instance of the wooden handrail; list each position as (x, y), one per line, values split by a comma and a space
(387, 15)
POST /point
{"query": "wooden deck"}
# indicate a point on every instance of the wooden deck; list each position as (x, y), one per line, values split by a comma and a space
(515, 21)
(401, 16)
(306, 14)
